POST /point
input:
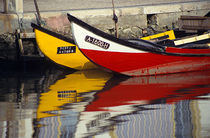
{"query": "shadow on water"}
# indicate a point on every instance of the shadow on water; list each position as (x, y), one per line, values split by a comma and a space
(14, 74)
(53, 102)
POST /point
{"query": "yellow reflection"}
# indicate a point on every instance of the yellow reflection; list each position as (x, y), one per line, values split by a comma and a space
(68, 90)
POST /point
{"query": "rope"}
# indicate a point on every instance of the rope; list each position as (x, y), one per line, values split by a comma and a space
(115, 19)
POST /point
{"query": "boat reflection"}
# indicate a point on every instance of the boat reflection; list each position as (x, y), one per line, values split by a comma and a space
(71, 89)
(75, 89)
(142, 94)
(152, 89)
(89, 103)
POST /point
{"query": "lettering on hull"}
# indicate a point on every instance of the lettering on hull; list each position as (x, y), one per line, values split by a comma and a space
(66, 50)
(97, 42)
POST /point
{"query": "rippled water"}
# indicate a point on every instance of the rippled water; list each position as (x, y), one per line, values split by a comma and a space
(51, 102)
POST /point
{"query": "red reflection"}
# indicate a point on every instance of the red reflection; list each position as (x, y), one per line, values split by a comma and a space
(149, 89)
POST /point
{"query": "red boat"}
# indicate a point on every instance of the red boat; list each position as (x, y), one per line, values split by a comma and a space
(136, 58)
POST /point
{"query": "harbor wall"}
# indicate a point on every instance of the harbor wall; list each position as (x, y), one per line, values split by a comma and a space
(133, 22)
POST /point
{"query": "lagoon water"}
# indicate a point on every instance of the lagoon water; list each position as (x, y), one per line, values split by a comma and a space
(50, 102)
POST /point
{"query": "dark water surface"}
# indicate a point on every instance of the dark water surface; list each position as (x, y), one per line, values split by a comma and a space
(50, 102)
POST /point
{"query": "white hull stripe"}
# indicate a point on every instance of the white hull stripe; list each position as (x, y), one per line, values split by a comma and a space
(101, 44)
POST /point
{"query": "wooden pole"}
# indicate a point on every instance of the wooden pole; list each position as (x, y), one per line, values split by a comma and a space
(19, 44)
(115, 19)
(38, 12)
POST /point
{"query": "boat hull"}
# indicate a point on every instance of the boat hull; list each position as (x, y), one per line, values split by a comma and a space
(140, 64)
(61, 50)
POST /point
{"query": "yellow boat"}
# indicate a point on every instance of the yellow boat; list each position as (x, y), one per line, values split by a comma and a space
(60, 49)
(70, 90)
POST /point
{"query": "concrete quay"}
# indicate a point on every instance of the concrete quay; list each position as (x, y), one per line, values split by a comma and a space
(135, 18)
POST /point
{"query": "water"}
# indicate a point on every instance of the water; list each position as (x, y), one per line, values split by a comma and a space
(52, 102)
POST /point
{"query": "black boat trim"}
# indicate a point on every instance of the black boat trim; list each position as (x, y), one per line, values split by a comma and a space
(185, 55)
(59, 36)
